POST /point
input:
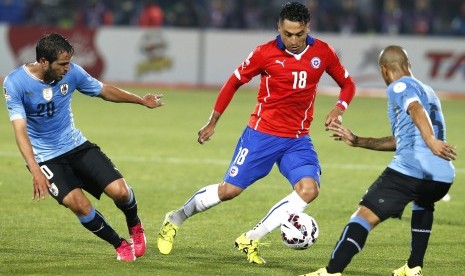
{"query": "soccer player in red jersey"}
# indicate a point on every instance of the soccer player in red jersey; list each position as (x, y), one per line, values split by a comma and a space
(290, 67)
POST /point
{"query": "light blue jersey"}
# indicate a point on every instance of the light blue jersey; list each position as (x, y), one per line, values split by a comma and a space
(47, 108)
(412, 156)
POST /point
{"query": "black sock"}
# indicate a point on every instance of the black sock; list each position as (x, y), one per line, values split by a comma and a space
(130, 210)
(350, 243)
(95, 223)
(422, 222)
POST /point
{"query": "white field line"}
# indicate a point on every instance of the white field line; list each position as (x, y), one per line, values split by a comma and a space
(220, 162)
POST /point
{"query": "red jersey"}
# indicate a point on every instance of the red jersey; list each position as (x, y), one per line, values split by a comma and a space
(288, 84)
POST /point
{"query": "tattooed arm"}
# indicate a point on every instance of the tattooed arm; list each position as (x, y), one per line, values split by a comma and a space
(381, 144)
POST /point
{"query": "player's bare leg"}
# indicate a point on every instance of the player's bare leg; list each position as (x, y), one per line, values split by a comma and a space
(125, 200)
(202, 200)
(91, 219)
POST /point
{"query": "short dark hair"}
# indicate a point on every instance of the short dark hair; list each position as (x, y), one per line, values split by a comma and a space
(295, 12)
(51, 45)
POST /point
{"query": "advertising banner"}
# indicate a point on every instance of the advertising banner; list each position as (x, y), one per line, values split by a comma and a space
(193, 57)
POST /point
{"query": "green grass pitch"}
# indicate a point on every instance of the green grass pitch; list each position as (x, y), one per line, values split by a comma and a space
(158, 153)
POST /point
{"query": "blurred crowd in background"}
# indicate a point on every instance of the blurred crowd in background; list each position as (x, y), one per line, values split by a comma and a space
(417, 17)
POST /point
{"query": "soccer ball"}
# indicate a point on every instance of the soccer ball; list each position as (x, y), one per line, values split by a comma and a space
(299, 231)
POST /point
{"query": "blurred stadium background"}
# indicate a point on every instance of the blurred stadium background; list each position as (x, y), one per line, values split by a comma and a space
(419, 17)
(186, 49)
(199, 43)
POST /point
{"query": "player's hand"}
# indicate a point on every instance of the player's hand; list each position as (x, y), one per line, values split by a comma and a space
(205, 133)
(343, 134)
(152, 100)
(334, 117)
(40, 186)
(443, 149)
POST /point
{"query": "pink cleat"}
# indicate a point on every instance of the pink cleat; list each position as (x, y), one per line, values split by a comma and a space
(125, 252)
(138, 239)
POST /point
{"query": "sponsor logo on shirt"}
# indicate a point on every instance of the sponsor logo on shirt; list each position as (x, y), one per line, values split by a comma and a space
(47, 93)
(64, 89)
(280, 62)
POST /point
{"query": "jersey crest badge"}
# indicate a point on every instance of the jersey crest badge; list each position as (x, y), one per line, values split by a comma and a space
(47, 93)
(399, 87)
(64, 89)
(315, 62)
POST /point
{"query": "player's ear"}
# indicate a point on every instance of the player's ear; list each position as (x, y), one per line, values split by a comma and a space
(43, 61)
(385, 74)
(383, 70)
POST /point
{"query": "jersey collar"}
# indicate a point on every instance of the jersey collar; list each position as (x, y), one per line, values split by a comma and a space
(310, 41)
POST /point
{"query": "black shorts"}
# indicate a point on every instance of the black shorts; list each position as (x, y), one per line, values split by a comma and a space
(392, 191)
(85, 167)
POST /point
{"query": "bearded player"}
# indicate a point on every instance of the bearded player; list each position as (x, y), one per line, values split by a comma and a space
(62, 162)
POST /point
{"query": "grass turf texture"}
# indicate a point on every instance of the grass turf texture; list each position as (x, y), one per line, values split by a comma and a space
(157, 152)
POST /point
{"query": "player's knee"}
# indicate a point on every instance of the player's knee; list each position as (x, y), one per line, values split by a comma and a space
(121, 195)
(227, 195)
(118, 191)
(227, 191)
(308, 195)
(368, 215)
(80, 206)
(308, 192)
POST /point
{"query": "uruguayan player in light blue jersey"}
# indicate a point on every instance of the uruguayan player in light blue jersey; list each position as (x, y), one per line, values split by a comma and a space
(61, 160)
(420, 172)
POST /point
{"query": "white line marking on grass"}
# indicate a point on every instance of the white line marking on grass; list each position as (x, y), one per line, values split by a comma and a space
(172, 160)
(10, 153)
(356, 167)
(221, 162)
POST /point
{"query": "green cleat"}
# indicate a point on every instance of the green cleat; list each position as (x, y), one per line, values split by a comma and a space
(322, 272)
(250, 248)
(407, 271)
(166, 235)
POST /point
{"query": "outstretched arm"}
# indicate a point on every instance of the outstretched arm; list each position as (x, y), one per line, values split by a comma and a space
(345, 97)
(208, 129)
(347, 85)
(423, 123)
(40, 183)
(118, 95)
(334, 117)
(344, 134)
(224, 98)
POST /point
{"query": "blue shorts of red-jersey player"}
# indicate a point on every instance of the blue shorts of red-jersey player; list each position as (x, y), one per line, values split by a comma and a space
(257, 152)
